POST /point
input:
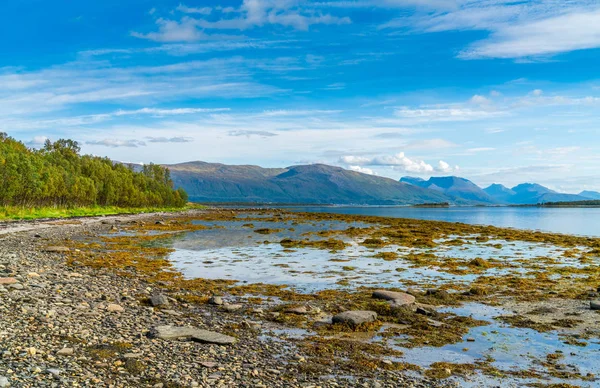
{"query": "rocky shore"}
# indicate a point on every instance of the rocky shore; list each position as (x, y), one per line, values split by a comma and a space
(71, 325)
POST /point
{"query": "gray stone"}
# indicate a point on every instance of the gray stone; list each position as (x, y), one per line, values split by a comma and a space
(595, 304)
(159, 300)
(114, 308)
(56, 249)
(302, 310)
(211, 337)
(232, 307)
(4, 382)
(172, 332)
(397, 298)
(216, 300)
(65, 352)
(355, 317)
(54, 372)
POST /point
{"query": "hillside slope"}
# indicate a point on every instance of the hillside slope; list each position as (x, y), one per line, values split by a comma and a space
(316, 184)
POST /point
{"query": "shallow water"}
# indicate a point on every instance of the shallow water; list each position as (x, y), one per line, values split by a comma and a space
(577, 221)
(232, 250)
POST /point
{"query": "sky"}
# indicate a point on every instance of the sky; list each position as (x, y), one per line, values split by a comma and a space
(497, 91)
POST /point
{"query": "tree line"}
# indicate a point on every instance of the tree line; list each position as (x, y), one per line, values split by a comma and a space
(58, 175)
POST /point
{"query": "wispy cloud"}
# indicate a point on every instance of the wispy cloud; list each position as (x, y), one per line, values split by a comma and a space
(252, 133)
(251, 14)
(194, 10)
(113, 143)
(518, 29)
(180, 139)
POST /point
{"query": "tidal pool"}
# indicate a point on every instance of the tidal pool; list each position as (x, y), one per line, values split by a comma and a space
(249, 251)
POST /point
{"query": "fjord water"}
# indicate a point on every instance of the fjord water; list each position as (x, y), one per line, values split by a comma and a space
(576, 221)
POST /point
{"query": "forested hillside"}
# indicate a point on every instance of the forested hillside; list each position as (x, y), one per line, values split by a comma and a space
(57, 175)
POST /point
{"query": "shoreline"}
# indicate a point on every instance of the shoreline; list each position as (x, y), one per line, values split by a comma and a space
(69, 324)
(99, 306)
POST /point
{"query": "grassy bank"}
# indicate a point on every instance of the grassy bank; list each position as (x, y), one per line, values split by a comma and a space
(11, 213)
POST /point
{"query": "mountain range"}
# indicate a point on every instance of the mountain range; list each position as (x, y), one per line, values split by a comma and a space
(495, 194)
(310, 184)
(323, 184)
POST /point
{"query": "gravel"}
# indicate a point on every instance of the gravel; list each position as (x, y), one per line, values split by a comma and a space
(78, 326)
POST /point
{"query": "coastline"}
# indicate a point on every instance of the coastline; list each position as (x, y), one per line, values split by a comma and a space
(61, 326)
(66, 298)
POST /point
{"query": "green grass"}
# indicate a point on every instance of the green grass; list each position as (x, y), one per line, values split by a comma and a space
(30, 213)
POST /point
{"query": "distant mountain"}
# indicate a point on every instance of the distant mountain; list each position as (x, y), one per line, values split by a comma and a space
(460, 189)
(500, 193)
(310, 184)
(532, 193)
(590, 194)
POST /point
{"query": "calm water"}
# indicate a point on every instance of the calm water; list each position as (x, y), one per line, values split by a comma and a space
(232, 250)
(579, 221)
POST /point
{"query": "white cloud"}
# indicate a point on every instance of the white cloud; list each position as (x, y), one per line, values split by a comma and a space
(576, 30)
(251, 133)
(251, 14)
(179, 139)
(445, 114)
(363, 170)
(37, 141)
(480, 100)
(173, 31)
(398, 161)
(518, 29)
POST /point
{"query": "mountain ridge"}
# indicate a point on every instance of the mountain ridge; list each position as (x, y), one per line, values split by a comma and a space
(316, 183)
(455, 187)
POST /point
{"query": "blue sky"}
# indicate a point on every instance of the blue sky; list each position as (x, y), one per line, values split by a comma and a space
(493, 90)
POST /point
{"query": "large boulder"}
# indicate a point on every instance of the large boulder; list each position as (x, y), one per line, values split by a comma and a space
(396, 299)
(158, 300)
(355, 317)
(595, 305)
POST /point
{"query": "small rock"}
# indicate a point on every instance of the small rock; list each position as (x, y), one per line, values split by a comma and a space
(65, 352)
(131, 355)
(302, 310)
(33, 275)
(114, 308)
(4, 382)
(355, 317)
(16, 286)
(8, 281)
(31, 351)
(171, 332)
(595, 304)
(211, 337)
(54, 372)
(209, 364)
(216, 300)
(159, 300)
(232, 307)
(56, 249)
